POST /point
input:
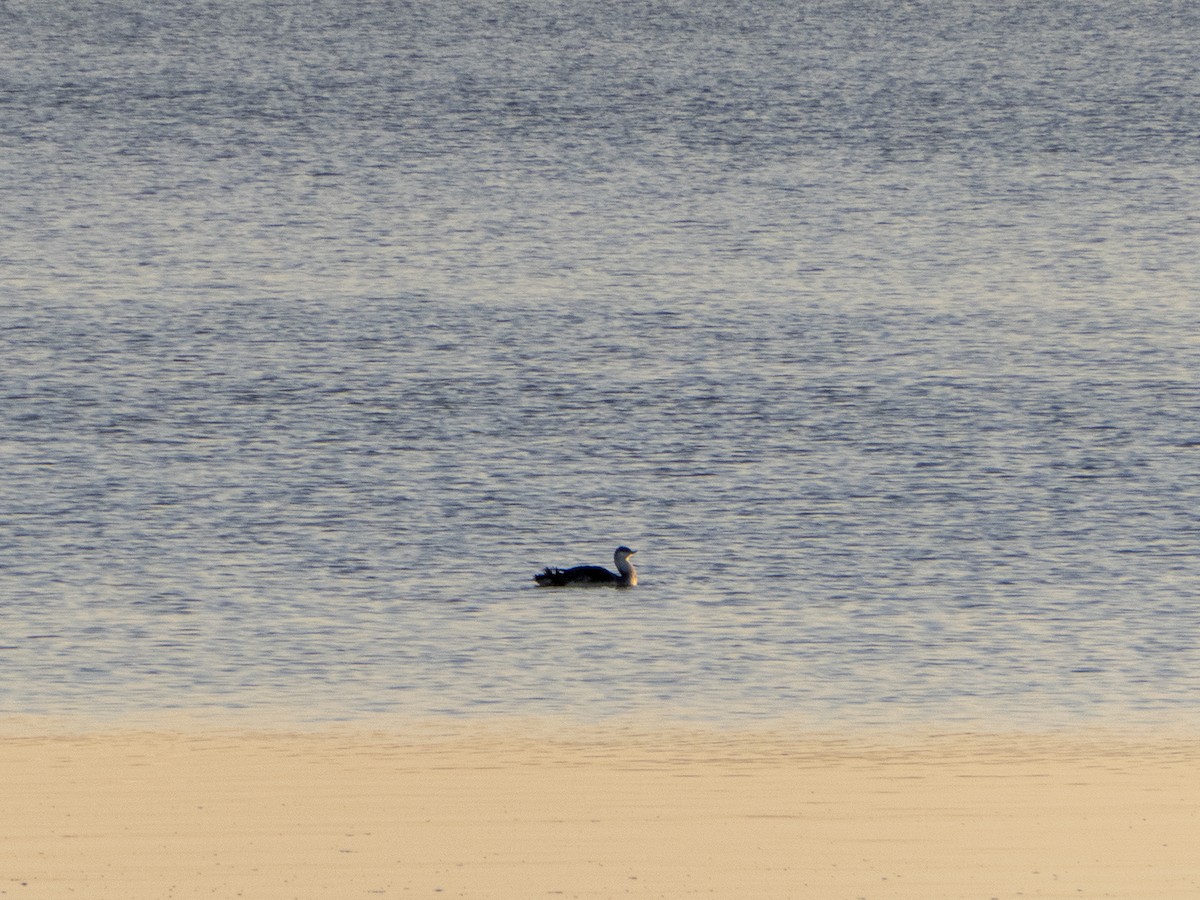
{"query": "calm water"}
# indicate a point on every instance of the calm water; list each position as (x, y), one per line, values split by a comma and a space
(874, 326)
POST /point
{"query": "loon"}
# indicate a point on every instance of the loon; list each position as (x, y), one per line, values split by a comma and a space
(590, 576)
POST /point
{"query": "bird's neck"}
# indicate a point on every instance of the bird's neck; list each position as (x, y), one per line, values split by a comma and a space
(628, 572)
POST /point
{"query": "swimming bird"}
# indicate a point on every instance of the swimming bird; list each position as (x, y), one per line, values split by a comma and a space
(592, 576)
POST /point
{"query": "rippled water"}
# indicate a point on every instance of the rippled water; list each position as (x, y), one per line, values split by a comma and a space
(876, 330)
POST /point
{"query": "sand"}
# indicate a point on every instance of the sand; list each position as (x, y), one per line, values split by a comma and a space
(505, 810)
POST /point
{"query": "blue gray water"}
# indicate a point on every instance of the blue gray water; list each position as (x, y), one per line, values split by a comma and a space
(875, 327)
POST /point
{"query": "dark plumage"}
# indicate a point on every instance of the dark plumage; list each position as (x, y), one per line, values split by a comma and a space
(591, 576)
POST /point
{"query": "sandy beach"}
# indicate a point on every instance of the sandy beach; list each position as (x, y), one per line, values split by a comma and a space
(501, 810)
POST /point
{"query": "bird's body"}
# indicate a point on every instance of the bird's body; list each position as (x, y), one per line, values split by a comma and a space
(592, 576)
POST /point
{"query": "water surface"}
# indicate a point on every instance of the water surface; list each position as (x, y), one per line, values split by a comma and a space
(325, 326)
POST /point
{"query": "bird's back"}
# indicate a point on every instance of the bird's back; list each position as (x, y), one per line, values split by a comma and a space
(552, 577)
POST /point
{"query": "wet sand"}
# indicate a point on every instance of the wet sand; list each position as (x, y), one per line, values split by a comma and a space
(504, 810)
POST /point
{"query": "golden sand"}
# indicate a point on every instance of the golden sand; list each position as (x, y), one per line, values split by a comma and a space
(481, 810)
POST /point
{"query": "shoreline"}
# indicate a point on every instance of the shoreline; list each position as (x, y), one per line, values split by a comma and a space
(525, 809)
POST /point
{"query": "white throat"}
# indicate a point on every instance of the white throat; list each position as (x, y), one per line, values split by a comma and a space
(625, 567)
